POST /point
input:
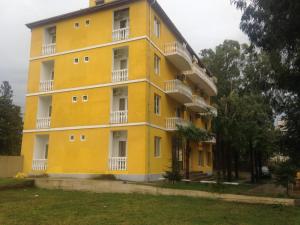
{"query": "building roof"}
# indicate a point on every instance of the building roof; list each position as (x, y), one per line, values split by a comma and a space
(113, 4)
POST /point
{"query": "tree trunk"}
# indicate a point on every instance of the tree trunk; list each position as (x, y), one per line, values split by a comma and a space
(236, 164)
(260, 164)
(187, 160)
(223, 164)
(252, 162)
(229, 162)
(218, 157)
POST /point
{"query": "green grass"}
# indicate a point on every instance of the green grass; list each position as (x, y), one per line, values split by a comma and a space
(242, 189)
(56, 207)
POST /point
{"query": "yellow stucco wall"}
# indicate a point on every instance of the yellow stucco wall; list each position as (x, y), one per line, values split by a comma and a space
(95, 41)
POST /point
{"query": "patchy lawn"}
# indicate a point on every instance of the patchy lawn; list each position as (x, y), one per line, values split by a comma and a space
(242, 189)
(9, 183)
(51, 207)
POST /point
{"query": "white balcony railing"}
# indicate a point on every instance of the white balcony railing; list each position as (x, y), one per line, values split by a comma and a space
(120, 75)
(46, 85)
(49, 49)
(177, 48)
(177, 86)
(171, 123)
(118, 163)
(39, 164)
(43, 122)
(202, 79)
(119, 117)
(120, 34)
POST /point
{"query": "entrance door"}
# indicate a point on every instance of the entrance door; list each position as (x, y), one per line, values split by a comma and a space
(122, 104)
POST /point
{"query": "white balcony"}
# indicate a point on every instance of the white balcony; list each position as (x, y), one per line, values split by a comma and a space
(179, 91)
(172, 123)
(120, 34)
(43, 122)
(49, 49)
(178, 55)
(46, 85)
(118, 117)
(120, 75)
(118, 163)
(211, 141)
(201, 79)
(198, 105)
(39, 164)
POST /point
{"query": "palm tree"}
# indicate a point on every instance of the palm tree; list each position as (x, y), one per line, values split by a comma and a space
(191, 134)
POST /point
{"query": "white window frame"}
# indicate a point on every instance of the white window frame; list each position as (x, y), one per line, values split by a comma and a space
(74, 99)
(86, 59)
(157, 61)
(82, 137)
(157, 27)
(76, 59)
(72, 138)
(157, 147)
(85, 100)
(157, 104)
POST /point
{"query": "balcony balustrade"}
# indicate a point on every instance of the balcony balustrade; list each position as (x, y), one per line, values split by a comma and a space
(46, 85)
(39, 164)
(172, 123)
(118, 163)
(120, 75)
(179, 91)
(198, 105)
(120, 34)
(43, 122)
(49, 49)
(178, 55)
(201, 79)
(118, 117)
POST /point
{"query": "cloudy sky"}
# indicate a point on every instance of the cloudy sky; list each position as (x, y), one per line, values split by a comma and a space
(204, 23)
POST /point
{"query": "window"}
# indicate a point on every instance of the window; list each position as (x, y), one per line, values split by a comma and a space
(86, 59)
(200, 158)
(156, 65)
(122, 148)
(87, 22)
(76, 60)
(157, 146)
(85, 98)
(76, 25)
(157, 104)
(156, 27)
(72, 138)
(82, 138)
(74, 99)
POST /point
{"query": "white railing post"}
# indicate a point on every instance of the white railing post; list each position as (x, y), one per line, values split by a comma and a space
(46, 85)
(121, 34)
(49, 49)
(39, 164)
(120, 75)
(43, 122)
(119, 117)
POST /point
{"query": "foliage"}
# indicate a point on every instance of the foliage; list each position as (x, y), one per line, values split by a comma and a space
(173, 176)
(285, 174)
(274, 27)
(11, 124)
(244, 124)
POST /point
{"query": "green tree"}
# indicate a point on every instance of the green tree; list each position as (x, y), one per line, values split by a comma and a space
(191, 134)
(10, 122)
(274, 26)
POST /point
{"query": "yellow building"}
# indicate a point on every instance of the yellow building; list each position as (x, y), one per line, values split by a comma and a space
(106, 87)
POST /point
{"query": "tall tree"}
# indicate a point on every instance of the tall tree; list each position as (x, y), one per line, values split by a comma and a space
(11, 124)
(274, 26)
